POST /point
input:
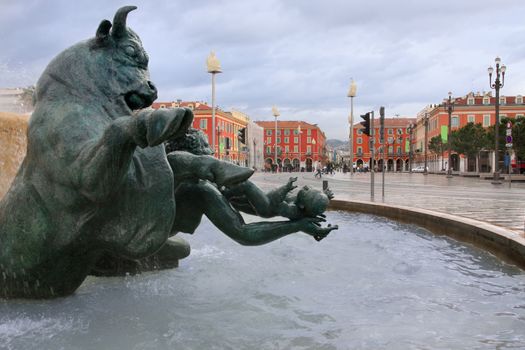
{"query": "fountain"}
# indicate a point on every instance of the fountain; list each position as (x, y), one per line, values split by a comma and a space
(99, 196)
(375, 284)
(96, 188)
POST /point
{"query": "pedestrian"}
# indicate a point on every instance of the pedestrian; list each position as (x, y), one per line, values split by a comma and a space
(318, 172)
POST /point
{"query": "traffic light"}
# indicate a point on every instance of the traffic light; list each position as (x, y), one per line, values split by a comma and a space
(241, 135)
(366, 123)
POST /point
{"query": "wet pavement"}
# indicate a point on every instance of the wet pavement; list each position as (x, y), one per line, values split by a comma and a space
(467, 197)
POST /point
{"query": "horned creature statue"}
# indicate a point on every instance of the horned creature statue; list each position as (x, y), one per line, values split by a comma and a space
(97, 186)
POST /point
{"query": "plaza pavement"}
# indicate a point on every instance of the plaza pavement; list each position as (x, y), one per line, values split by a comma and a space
(467, 197)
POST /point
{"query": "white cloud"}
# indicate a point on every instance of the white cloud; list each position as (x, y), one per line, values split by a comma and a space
(299, 55)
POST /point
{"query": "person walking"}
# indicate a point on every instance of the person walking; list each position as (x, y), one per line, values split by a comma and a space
(318, 171)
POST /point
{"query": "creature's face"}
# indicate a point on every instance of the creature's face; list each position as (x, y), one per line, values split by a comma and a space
(313, 202)
(119, 54)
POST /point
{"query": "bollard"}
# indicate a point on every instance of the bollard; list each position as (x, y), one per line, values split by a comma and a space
(325, 184)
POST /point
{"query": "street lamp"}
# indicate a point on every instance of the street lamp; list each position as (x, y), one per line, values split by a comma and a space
(275, 113)
(219, 141)
(313, 153)
(449, 108)
(214, 67)
(425, 172)
(351, 93)
(299, 132)
(410, 129)
(498, 84)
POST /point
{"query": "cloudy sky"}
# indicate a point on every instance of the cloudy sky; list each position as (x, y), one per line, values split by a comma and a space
(296, 54)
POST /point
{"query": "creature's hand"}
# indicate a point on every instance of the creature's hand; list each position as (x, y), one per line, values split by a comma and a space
(153, 128)
(312, 226)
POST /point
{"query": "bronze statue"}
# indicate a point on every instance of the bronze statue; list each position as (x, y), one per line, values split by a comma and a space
(96, 182)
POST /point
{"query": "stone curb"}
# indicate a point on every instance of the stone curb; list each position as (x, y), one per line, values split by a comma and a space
(506, 244)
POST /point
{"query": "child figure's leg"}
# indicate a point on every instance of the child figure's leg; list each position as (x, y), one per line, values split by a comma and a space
(249, 198)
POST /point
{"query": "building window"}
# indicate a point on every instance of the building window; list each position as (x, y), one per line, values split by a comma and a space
(203, 124)
(390, 149)
(486, 120)
(309, 132)
(268, 149)
(359, 151)
(268, 132)
(296, 149)
(286, 140)
(359, 140)
(470, 101)
(486, 100)
(502, 100)
(295, 140)
(359, 132)
(286, 149)
(400, 131)
(268, 140)
(519, 99)
(308, 139)
(455, 121)
(309, 149)
(278, 140)
(390, 131)
(278, 132)
(471, 118)
(295, 132)
(286, 132)
(398, 150)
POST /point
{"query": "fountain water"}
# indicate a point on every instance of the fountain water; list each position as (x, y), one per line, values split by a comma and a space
(375, 284)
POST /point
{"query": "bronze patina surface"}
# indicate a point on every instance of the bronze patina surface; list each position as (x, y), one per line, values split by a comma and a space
(97, 188)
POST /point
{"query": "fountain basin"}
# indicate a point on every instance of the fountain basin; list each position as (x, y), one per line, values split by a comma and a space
(374, 283)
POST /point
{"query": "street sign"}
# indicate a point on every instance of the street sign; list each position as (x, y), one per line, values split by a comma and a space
(509, 125)
(509, 132)
(508, 145)
(508, 139)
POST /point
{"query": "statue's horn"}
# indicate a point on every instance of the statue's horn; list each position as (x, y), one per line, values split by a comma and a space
(119, 21)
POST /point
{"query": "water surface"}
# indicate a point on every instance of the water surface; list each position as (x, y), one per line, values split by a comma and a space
(374, 284)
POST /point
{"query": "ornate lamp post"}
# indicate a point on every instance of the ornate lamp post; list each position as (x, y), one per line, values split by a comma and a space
(214, 67)
(400, 152)
(299, 132)
(498, 84)
(449, 107)
(410, 129)
(218, 153)
(275, 113)
(314, 151)
(351, 93)
(425, 172)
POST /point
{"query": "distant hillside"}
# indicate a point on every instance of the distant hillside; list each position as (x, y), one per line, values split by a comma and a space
(337, 144)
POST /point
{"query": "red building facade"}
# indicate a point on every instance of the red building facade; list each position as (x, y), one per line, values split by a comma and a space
(227, 126)
(477, 108)
(396, 145)
(298, 144)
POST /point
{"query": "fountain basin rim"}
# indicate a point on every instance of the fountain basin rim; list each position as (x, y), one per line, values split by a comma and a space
(508, 245)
